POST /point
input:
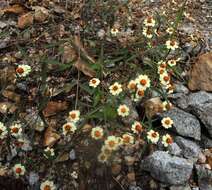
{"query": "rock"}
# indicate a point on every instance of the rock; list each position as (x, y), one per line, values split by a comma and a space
(200, 104)
(133, 187)
(180, 88)
(174, 149)
(41, 14)
(189, 148)
(204, 178)
(167, 169)
(4, 42)
(185, 124)
(2, 24)
(33, 178)
(206, 142)
(25, 20)
(72, 154)
(201, 73)
(187, 187)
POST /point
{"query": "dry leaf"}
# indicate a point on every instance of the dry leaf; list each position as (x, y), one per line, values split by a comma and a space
(83, 67)
(54, 107)
(11, 96)
(25, 20)
(153, 106)
(50, 137)
(69, 54)
(62, 157)
(7, 107)
(16, 9)
(86, 128)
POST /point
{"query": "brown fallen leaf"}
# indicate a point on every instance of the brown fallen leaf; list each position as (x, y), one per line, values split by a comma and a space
(11, 96)
(69, 54)
(6, 107)
(86, 128)
(15, 9)
(7, 75)
(25, 20)
(50, 137)
(83, 67)
(53, 107)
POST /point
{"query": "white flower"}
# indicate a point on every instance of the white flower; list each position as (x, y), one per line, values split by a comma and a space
(132, 85)
(137, 127)
(148, 32)
(94, 82)
(47, 185)
(49, 152)
(172, 62)
(167, 105)
(97, 133)
(123, 110)
(74, 116)
(23, 70)
(69, 127)
(153, 136)
(115, 89)
(102, 158)
(112, 142)
(19, 170)
(170, 30)
(172, 44)
(3, 131)
(143, 82)
(139, 93)
(164, 79)
(114, 31)
(127, 139)
(167, 122)
(74, 174)
(167, 140)
(16, 130)
(149, 21)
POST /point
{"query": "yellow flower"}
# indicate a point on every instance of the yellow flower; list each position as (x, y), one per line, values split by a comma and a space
(97, 133)
(167, 122)
(23, 70)
(143, 82)
(127, 139)
(102, 158)
(69, 128)
(19, 170)
(112, 142)
(149, 21)
(16, 130)
(123, 110)
(153, 136)
(47, 185)
(74, 116)
(167, 140)
(115, 89)
(94, 82)
(137, 127)
(172, 44)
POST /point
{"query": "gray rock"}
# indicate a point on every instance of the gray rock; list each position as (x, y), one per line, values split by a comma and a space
(200, 104)
(189, 148)
(174, 149)
(204, 178)
(206, 142)
(180, 88)
(2, 24)
(133, 187)
(168, 169)
(33, 178)
(186, 187)
(185, 124)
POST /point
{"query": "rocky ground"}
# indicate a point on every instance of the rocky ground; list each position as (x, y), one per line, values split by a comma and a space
(184, 165)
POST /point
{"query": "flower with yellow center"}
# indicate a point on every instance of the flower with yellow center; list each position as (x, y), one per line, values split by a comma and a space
(147, 32)
(149, 21)
(170, 30)
(102, 158)
(47, 185)
(3, 131)
(172, 44)
(167, 105)
(123, 110)
(143, 82)
(153, 136)
(69, 127)
(112, 142)
(74, 116)
(167, 122)
(94, 82)
(97, 133)
(167, 140)
(172, 62)
(19, 170)
(115, 89)
(16, 130)
(127, 139)
(23, 70)
(132, 86)
(137, 127)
